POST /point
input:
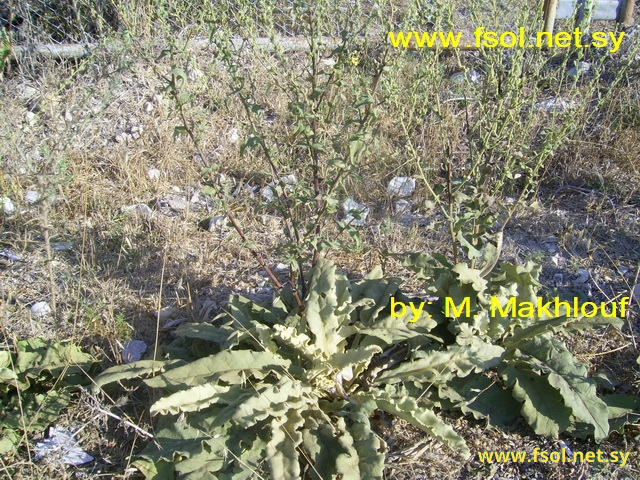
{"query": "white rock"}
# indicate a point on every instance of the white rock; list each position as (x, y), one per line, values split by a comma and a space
(556, 104)
(402, 186)
(133, 350)
(353, 209)
(67, 116)
(139, 209)
(582, 277)
(7, 206)
(30, 118)
(40, 309)
(153, 174)
(233, 135)
(148, 107)
(218, 222)
(402, 206)
(61, 440)
(581, 68)
(472, 76)
(31, 196)
(121, 138)
(269, 192)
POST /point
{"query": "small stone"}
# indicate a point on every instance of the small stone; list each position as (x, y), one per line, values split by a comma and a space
(62, 246)
(233, 135)
(581, 68)
(31, 196)
(582, 277)
(67, 116)
(140, 209)
(153, 174)
(121, 138)
(7, 206)
(218, 223)
(473, 76)
(30, 118)
(133, 350)
(560, 105)
(401, 207)
(148, 107)
(40, 309)
(135, 135)
(402, 186)
(353, 209)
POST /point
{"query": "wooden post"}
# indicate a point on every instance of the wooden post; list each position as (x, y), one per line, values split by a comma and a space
(550, 8)
(626, 18)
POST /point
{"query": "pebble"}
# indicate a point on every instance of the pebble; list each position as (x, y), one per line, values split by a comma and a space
(140, 209)
(133, 350)
(580, 68)
(40, 309)
(7, 206)
(31, 196)
(350, 207)
(556, 104)
(153, 174)
(402, 186)
(582, 277)
(217, 223)
(402, 206)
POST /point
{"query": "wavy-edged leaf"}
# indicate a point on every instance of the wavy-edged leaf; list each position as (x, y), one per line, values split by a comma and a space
(205, 369)
(129, 371)
(426, 420)
(623, 410)
(439, 366)
(328, 292)
(569, 376)
(542, 405)
(190, 400)
(483, 398)
(371, 449)
(329, 449)
(282, 449)
(264, 401)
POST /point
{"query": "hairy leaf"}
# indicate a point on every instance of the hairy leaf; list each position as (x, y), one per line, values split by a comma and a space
(423, 418)
(438, 366)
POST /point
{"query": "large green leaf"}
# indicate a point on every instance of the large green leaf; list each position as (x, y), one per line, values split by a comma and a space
(133, 370)
(623, 410)
(282, 449)
(438, 366)
(205, 369)
(328, 292)
(370, 448)
(483, 398)
(329, 448)
(542, 405)
(423, 418)
(569, 376)
(265, 400)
